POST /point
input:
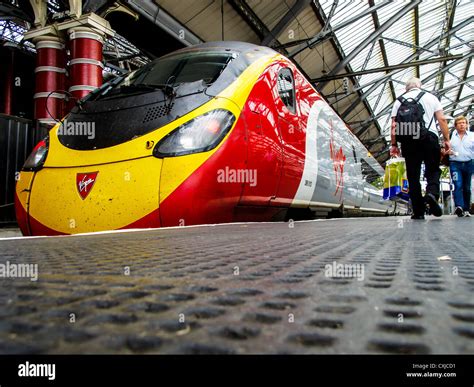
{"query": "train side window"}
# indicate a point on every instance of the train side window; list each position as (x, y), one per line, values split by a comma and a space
(369, 173)
(355, 154)
(286, 88)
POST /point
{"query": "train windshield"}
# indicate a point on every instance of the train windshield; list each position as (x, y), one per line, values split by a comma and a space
(171, 71)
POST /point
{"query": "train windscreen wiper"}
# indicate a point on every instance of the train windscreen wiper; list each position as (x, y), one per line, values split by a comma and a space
(119, 91)
(138, 86)
(167, 89)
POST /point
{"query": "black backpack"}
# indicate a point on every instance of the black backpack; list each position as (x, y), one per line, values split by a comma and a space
(409, 120)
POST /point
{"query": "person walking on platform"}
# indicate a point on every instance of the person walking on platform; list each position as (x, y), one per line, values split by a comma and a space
(414, 126)
(461, 164)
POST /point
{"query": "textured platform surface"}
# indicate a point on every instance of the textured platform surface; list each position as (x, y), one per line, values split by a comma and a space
(246, 288)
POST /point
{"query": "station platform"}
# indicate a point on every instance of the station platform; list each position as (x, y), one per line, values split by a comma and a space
(246, 288)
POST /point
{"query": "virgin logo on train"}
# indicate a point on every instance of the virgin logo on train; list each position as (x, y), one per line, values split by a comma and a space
(85, 182)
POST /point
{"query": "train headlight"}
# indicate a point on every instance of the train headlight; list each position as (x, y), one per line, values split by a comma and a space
(37, 157)
(201, 134)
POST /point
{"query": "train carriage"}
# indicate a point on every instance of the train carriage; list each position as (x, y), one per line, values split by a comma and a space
(215, 133)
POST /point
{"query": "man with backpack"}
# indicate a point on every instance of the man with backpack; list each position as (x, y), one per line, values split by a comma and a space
(414, 127)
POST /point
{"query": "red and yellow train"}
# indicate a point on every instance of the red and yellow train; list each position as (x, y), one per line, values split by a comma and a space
(215, 133)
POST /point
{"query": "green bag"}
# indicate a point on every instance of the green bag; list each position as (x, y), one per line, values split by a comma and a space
(395, 184)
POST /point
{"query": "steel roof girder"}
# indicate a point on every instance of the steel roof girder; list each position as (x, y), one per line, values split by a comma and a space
(322, 35)
(452, 64)
(285, 21)
(373, 36)
(376, 82)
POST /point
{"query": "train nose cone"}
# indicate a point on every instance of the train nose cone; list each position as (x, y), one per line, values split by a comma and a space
(103, 197)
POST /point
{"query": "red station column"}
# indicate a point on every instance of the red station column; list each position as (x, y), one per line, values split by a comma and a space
(85, 67)
(8, 92)
(50, 79)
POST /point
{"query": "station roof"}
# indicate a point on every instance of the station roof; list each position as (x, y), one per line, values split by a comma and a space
(358, 54)
(337, 44)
